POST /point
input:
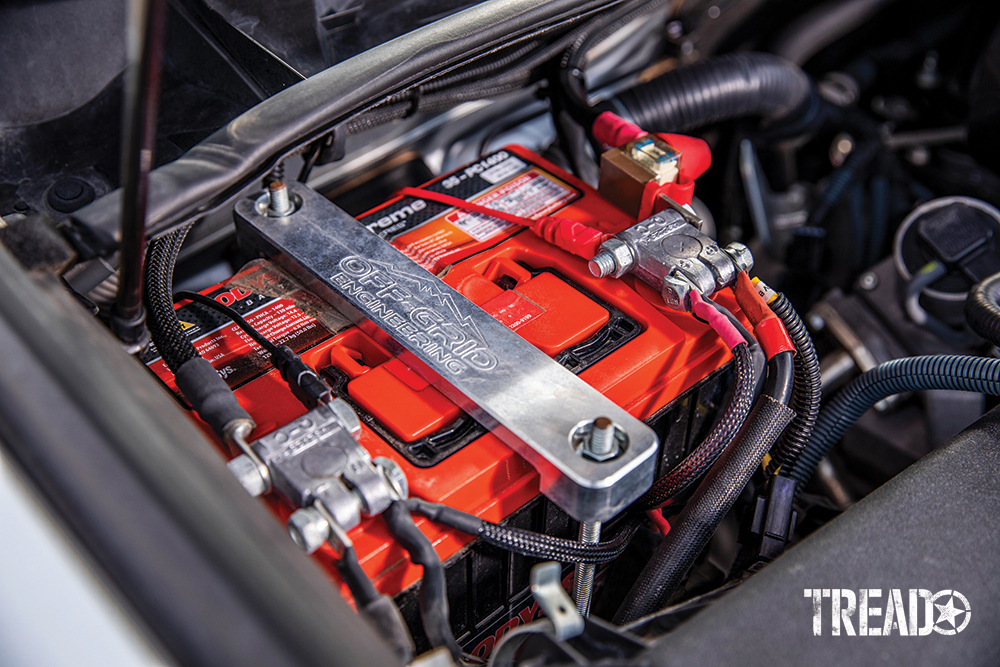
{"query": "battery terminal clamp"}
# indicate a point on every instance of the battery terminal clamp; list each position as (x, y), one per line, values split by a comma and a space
(671, 255)
(316, 464)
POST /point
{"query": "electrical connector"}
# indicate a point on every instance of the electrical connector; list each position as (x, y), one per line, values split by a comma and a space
(773, 521)
(307, 386)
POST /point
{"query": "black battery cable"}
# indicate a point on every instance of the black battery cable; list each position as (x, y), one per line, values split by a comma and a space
(205, 390)
(433, 600)
(526, 542)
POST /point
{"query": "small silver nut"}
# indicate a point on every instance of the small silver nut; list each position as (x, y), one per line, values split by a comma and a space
(346, 415)
(621, 254)
(598, 439)
(868, 281)
(308, 529)
(245, 470)
(741, 255)
(278, 201)
(394, 477)
(676, 293)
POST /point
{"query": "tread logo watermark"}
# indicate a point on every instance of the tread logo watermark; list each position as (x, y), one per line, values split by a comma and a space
(946, 612)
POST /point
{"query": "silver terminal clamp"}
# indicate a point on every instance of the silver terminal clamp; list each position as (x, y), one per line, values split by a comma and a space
(316, 464)
(529, 401)
(668, 253)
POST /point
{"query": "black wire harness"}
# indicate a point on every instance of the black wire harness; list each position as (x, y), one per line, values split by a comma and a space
(164, 327)
(526, 542)
(207, 392)
(704, 455)
(962, 373)
(714, 497)
(808, 389)
(433, 590)
(380, 609)
(982, 309)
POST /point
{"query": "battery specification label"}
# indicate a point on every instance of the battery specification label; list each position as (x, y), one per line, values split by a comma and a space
(271, 302)
(436, 235)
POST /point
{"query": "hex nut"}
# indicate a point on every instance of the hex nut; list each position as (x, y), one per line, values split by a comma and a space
(607, 443)
(346, 415)
(394, 477)
(741, 255)
(245, 470)
(308, 529)
(622, 254)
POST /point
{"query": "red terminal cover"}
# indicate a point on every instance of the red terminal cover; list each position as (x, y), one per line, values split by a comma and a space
(696, 158)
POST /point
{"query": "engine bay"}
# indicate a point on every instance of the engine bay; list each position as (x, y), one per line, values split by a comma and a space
(623, 332)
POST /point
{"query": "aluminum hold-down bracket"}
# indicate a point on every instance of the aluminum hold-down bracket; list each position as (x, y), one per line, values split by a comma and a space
(529, 401)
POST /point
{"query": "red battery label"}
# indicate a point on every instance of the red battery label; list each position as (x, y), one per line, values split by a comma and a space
(436, 235)
(271, 302)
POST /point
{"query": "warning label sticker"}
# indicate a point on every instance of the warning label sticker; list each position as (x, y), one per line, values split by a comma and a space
(436, 235)
(272, 303)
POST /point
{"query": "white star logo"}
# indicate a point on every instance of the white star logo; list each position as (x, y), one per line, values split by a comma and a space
(948, 612)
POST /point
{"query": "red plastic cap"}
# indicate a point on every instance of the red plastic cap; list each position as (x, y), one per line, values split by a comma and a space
(696, 156)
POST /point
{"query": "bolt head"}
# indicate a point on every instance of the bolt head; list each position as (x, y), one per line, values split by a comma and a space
(308, 529)
(676, 293)
(249, 477)
(394, 477)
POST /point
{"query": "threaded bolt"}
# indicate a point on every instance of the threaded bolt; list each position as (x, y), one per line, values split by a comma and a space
(602, 437)
(278, 204)
(583, 574)
(603, 264)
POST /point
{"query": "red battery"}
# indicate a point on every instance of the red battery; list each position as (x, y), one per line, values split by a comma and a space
(617, 335)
